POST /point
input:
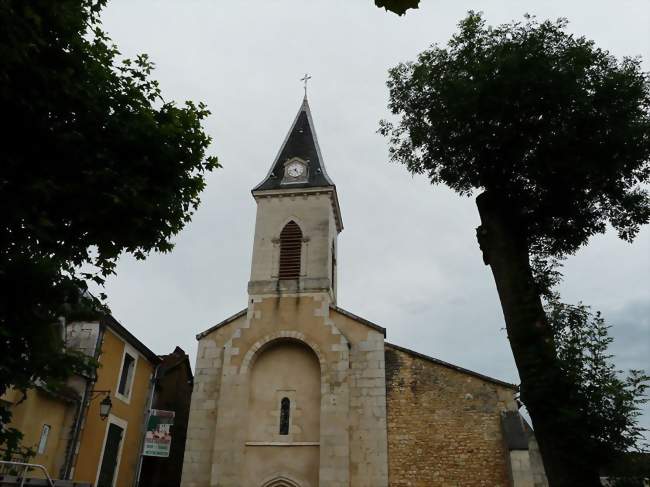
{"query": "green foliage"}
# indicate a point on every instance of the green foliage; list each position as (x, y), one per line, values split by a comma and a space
(11, 437)
(609, 403)
(397, 6)
(554, 133)
(546, 121)
(629, 470)
(95, 163)
(15, 453)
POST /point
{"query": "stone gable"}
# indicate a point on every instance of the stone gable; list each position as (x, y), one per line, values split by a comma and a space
(352, 441)
(443, 424)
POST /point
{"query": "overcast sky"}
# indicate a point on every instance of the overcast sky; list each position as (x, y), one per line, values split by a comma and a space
(408, 258)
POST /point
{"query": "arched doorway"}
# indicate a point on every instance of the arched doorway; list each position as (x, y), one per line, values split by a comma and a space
(280, 482)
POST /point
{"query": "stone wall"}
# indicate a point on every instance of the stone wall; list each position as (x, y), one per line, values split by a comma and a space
(313, 212)
(536, 464)
(197, 462)
(367, 420)
(443, 424)
(352, 433)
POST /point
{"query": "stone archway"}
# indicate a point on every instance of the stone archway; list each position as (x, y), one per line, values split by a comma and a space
(255, 350)
(284, 403)
(280, 482)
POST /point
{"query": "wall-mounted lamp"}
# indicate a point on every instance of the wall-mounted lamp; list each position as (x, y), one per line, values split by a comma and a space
(105, 405)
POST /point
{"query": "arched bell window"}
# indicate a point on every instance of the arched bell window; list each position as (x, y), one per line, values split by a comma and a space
(290, 249)
(285, 410)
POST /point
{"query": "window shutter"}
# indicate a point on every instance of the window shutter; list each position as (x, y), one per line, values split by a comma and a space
(290, 249)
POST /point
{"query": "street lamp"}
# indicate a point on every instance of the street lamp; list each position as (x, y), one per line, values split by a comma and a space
(105, 405)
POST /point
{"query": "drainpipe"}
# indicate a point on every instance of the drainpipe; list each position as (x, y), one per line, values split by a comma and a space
(65, 471)
(154, 379)
(71, 455)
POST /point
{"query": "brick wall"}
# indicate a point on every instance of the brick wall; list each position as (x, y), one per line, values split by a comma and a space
(443, 424)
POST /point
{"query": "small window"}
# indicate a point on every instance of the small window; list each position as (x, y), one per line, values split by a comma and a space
(126, 378)
(290, 250)
(285, 409)
(42, 443)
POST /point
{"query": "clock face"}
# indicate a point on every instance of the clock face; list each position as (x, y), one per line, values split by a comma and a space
(295, 169)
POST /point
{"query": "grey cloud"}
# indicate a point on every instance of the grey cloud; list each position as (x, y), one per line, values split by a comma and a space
(408, 256)
(631, 331)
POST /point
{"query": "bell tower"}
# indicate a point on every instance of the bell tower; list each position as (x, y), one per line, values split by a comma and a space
(298, 219)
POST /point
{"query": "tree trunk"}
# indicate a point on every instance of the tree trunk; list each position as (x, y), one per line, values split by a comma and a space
(545, 390)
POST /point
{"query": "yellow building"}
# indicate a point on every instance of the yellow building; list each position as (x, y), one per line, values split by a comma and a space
(44, 417)
(65, 429)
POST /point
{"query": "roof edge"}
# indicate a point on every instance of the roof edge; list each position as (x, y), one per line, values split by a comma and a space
(66, 393)
(110, 321)
(452, 366)
(185, 359)
(304, 107)
(222, 323)
(261, 193)
(361, 320)
(307, 110)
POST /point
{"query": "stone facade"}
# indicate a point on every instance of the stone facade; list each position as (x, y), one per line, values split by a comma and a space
(388, 416)
(314, 211)
(444, 424)
(294, 391)
(351, 444)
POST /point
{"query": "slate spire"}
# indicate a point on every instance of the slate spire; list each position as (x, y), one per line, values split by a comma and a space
(301, 143)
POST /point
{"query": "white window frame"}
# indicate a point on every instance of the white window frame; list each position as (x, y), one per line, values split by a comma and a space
(42, 441)
(133, 353)
(122, 424)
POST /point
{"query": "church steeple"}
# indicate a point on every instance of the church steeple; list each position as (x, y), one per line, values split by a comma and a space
(299, 163)
(298, 219)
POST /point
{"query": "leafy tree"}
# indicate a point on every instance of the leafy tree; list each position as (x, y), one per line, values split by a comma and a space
(609, 403)
(397, 6)
(553, 134)
(95, 163)
(629, 470)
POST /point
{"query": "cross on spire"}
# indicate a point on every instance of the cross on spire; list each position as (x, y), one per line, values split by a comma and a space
(304, 79)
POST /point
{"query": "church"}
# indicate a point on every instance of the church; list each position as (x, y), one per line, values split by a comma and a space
(294, 391)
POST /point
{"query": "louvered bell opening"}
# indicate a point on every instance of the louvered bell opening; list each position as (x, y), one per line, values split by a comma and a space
(290, 247)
